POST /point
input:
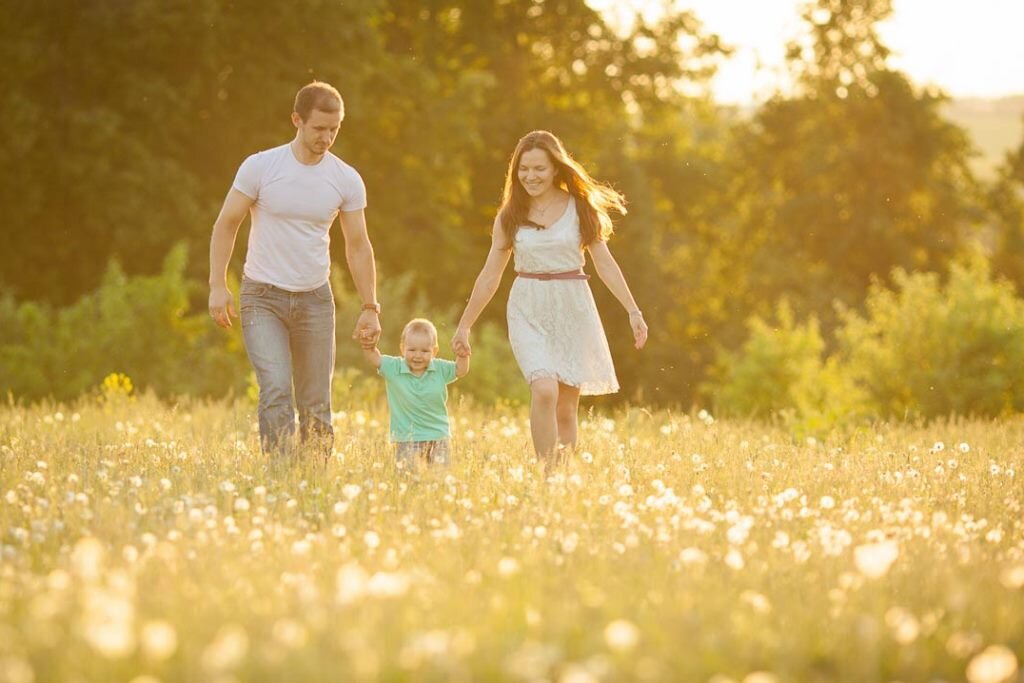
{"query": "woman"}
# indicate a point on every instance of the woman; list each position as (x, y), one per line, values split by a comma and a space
(551, 211)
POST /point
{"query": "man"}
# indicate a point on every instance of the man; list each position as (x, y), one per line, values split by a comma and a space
(294, 192)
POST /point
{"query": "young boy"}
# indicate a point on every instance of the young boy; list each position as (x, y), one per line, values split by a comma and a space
(417, 389)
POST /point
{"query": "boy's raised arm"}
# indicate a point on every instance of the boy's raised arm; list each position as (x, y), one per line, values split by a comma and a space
(372, 355)
(461, 365)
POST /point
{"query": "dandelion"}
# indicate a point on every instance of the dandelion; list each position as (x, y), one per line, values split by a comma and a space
(350, 491)
(227, 650)
(873, 560)
(691, 557)
(1012, 577)
(159, 640)
(903, 625)
(827, 502)
(995, 664)
(938, 447)
(350, 583)
(241, 505)
(961, 645)
(621, 635)
(388, 585)
(756, 601)
(508, 566)
(289, 633)
(964, 447)
(108, 623)
(87, 559)
(760, 677)
(734, 559)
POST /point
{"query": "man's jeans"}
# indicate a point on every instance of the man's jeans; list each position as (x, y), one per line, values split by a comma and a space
(289, 336)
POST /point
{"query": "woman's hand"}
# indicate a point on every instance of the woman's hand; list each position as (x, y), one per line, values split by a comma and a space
(636, 321)
(460, 342)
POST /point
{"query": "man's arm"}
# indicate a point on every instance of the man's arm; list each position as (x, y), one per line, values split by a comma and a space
(222, 243)
(359, 255)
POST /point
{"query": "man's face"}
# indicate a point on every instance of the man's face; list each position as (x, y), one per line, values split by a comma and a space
(317, 133)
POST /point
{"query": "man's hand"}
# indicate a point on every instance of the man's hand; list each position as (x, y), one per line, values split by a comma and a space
(460, 343)
(367, 330)
(222, 305)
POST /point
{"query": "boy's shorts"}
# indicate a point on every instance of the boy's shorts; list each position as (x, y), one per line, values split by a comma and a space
(407, 453)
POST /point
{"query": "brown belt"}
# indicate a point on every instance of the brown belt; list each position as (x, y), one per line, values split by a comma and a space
(567, 275)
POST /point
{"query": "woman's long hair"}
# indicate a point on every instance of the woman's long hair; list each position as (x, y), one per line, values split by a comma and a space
(594, 200)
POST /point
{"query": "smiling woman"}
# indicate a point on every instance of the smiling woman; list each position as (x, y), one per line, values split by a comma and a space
(551, 212)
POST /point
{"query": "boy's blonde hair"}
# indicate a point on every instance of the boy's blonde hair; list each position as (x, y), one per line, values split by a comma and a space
(420, 325)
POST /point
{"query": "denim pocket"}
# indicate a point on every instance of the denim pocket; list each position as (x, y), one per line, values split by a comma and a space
(324, 293)
(253, 288)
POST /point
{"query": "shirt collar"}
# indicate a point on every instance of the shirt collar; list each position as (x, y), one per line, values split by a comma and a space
(404, 367)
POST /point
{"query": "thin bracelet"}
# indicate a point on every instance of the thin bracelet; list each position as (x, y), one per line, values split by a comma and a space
(636, 312)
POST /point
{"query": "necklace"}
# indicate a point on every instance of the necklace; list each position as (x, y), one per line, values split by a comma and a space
(542, 213)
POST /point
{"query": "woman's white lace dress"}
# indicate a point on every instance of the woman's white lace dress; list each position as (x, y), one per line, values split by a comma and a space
(553, 325)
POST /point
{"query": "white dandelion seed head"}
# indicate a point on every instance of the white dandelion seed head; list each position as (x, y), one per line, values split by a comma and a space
(994, 664)
(873, 560)
(621, 635)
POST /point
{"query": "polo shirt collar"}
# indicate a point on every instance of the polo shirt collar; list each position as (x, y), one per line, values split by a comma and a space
(404, 368)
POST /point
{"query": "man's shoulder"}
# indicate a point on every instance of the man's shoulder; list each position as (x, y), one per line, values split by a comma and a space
(265, 156)
(339, 165)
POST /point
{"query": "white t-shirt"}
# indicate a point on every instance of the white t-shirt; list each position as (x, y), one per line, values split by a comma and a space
(291, 220)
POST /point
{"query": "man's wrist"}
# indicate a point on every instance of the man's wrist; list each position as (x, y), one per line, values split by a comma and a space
(375, 307)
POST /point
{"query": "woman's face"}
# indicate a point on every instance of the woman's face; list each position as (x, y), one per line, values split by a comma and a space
(536, 172)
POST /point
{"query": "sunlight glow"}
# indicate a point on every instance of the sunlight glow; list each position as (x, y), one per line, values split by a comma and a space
(966, 48)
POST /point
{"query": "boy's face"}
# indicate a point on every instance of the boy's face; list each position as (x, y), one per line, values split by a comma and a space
(418, 349)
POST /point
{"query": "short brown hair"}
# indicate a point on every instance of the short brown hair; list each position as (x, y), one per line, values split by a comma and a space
(420, 325)
(321, 96)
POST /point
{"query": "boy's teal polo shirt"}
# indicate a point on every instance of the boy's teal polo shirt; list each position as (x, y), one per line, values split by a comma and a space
(417, 404)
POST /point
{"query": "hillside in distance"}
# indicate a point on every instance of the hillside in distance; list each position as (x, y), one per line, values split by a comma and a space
(996, 126)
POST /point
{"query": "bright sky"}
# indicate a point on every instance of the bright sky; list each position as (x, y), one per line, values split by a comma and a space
(967, 47)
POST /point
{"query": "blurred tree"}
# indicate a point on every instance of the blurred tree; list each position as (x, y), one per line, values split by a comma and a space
(853, 174)
(1006, 205)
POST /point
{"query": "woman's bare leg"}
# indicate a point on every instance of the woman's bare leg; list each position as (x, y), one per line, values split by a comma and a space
(566, 412)
(543, 423)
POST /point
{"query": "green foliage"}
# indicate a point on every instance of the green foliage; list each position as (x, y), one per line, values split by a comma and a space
(1005, 203)
(929, 348)
(124, 144)
(137, 326)
(779, 371)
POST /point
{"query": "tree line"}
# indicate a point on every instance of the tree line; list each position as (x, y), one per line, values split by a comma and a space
(125, 123)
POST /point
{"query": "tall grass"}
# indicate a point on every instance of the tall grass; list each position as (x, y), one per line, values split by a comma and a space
(147, 542)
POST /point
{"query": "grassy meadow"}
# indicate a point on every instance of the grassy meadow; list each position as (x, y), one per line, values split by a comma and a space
(145, 542)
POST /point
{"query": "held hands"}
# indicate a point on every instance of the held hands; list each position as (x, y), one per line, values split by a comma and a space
(222, 306)
(636, 321)
(367, 330)
(460, 343)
